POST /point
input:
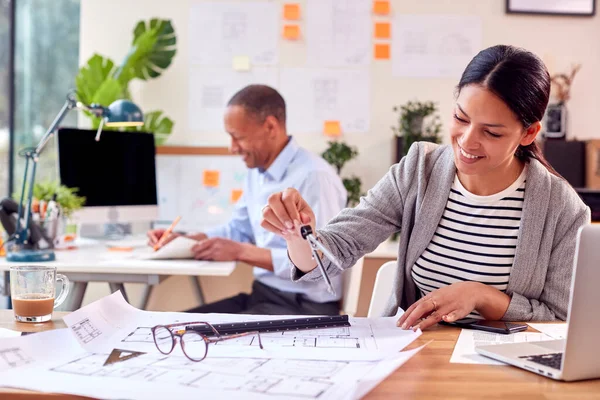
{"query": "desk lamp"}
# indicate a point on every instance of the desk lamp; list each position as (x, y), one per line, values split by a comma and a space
(120, 113)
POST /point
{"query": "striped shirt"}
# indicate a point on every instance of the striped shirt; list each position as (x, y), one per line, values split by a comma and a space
(475, 240)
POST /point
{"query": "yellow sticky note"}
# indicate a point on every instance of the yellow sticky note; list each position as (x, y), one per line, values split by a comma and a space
(291, 32)
(383, 30)
(235, 195)
(210, 178)
(241, 63)
(381, 7)
(382, 51)
(332, 128)
(291, 11)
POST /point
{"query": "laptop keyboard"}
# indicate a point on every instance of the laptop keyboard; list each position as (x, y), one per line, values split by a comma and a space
(551, 360)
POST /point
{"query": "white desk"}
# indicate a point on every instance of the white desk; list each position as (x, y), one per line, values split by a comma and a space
(93, 262)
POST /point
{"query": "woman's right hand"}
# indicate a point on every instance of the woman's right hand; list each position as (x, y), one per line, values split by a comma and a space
(283, 215)
(154, 236)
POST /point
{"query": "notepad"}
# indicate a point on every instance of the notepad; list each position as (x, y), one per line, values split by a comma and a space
(178, 248)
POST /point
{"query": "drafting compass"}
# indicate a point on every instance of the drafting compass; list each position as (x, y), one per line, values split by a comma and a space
(118, 355)
(307, 234)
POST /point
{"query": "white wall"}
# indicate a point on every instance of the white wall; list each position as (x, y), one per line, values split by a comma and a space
(560, 41)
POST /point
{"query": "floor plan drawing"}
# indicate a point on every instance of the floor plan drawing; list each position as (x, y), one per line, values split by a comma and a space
(14, 357)
(289, 378)
(322, 338)
(85, 331)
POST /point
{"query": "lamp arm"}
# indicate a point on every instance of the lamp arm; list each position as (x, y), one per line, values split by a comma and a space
(24, 211)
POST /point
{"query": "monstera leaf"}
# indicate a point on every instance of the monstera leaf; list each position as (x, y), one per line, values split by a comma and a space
(161, 126)
(152, 51)
(92, 77)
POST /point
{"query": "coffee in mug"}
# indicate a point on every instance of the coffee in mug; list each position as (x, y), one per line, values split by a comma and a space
(33, 289)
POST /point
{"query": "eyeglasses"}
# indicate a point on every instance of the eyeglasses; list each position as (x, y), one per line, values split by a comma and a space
(193, 343)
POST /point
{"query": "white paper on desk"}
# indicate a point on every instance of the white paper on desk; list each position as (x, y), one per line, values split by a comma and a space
(464, 350)
(319, 94)
(178, 248)
(20, 352)
(220, 31)
(338, 33)
(112, 323)
(555, 331)
(8, 333)
(158, 376)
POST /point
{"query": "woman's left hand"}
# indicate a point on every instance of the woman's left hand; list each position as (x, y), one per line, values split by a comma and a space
(449, 304)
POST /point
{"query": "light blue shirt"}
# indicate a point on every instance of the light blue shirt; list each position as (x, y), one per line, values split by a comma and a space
(322, 189)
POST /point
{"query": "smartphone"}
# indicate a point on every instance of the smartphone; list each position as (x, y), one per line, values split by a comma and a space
(489, 326)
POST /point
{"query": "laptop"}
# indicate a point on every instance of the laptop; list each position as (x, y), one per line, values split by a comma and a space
(578, 356)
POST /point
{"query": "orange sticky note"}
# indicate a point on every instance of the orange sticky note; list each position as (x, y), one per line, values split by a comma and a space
(210, 178)
(381, 7)
(291, 32)
(332, 128)
(291, 11)
(382, 51)
(235, 195)
(383, 30)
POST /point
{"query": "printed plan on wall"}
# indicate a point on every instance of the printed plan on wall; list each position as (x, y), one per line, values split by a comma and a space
(318, 94)
(338, 33)
(432, 46)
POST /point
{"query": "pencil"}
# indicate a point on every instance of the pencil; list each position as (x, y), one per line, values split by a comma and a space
(166, 234)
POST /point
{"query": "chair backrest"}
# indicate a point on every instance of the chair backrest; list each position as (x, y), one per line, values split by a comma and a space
(351, 284)
(382, 290)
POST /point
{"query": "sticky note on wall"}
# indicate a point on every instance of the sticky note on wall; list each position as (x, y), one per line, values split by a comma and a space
(332, 128)
(291, 11)
(210, 178)
(241, 63)
(381, 7)
(235, 195)
(381, 51)
(291, 32)
(383, 30)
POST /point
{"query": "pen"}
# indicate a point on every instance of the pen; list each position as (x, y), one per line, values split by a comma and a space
(166, 234)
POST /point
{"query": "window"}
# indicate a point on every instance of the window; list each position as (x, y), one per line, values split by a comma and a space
(46, 63)
(5, 40)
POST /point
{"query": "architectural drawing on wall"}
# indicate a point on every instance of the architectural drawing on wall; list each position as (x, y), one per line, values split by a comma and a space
(434, 45)
(13, 357)
(182, 192)
(85, 331)
(338, 33)
(286, 378)
(211, 88)
(220, 31)
(314, 96)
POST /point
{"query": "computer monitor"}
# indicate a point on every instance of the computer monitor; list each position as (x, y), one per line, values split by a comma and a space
(117, 174)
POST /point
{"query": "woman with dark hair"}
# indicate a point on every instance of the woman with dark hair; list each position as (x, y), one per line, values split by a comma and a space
(487, 227)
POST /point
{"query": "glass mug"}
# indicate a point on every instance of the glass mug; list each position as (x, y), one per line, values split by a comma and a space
(32, 289)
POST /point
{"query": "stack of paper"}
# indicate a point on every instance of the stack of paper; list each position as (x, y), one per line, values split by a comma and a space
(331, 363)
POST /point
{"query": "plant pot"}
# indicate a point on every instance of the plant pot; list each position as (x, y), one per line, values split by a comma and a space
(399, 148)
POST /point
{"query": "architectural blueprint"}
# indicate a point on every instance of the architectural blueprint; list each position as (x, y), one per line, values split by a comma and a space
(68, 368)
(365, 340)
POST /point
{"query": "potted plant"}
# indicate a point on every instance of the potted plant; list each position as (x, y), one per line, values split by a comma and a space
(338, 154)
(417, 121)
(554, 123)
(101, 81)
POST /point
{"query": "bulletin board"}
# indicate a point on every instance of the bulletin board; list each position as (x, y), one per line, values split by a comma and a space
(200, 184)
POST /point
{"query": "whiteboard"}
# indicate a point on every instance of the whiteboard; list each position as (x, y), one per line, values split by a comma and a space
(186, 188)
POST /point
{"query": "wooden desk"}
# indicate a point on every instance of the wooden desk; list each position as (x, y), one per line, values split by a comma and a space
(428, 375)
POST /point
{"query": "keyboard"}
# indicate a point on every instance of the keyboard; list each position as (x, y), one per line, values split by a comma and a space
(550, 360)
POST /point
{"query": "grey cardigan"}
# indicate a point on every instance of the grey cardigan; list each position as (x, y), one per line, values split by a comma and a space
(411, 198)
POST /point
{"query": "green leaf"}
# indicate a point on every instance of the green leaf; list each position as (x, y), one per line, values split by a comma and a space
(66, 197)
(92, 76)
(110, 91)
(153, 50)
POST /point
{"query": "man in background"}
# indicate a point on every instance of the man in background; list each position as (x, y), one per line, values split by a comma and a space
(255, 119)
